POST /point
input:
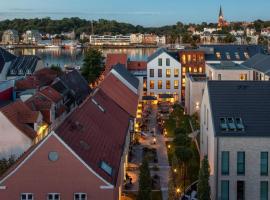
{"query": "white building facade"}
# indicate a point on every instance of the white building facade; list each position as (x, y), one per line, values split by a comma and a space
(163, 75)
(237, 148)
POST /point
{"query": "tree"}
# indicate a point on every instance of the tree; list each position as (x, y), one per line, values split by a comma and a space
(6, 163)
(92, 64)
(203, 185)
(145, 181)
(171, 187)
(182, 140)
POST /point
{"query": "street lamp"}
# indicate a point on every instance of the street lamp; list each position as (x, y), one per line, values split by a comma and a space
(175, 170)
(169, 146)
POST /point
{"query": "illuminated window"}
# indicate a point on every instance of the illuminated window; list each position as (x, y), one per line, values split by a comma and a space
(176, 72)
(184, 81)
(218, 55)
(159, 84)
(184, 61)
(176, 84)
(152, 84)
(152, 72)
(228, 56)
(184, 70)
(194, 58)
(195, 70)
(189, 69)
(246, 55)
(243, 77)
(168, 84)
(168, 73)
(189, 58)
(159, 73)
(200, 69)
(152, 94)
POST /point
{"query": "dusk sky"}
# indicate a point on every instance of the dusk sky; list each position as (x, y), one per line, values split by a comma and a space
(142, 12)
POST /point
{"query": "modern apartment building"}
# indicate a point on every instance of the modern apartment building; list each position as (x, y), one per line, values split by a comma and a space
(235, 136)
(164, 74)
(260, 63)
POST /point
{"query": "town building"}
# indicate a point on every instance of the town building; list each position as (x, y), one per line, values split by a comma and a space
(95, 161)
(109, 40)
(228, 70)
(10, 36)
(20, 129)
(32, 37)
(192, 61)
(195, 84)
(5, 61)
(235, 53)
(136, 38)
(260, 63)
(163, 75)
(235, 136)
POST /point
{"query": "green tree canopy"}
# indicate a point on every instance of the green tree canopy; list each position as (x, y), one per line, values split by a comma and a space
(203, 185)
(145, 182)
(92, 64)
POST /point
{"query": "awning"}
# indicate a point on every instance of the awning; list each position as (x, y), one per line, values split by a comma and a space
(165, 96)
(149, 98)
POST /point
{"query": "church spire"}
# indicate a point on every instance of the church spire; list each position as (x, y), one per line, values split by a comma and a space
(220, 12)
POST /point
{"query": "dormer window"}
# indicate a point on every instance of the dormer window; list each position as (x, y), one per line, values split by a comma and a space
(246, 55)
(218, 55)
(106, 167)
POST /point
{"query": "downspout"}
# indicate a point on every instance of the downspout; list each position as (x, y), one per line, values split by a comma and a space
(217, 162)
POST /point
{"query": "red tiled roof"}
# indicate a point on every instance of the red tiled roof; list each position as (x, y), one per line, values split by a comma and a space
(120, 93)
(39, 102)
(19, 115)
(113, 59)
(97, 136)
(46, 76)
(29, 82)
(137, 65)
(51, 94)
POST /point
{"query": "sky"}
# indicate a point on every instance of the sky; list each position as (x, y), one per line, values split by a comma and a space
(138, 12)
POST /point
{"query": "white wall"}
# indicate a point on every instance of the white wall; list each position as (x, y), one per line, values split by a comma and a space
(193, 95)
(13, 141)
(174, 64)
(227, 74)
(207, 139)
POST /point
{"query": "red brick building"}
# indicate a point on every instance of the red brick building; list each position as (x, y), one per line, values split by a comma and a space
(192, 61)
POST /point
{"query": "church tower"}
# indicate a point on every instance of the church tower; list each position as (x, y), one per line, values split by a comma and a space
(221, 21)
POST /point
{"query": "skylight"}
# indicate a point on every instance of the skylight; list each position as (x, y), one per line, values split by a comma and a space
(106, 167)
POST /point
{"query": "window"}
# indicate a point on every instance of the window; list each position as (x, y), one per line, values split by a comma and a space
(218, 55)
(243, 77)
(264, 190)
(228, 56)
(168, 73)
(184, 61)
(168, 62)
(246, 55)
(219, 77)
(194, 58)
(160, 62)
(176, 84)
(225, 190)
(152, 84)
(240, 190)
(106, 167)
(168, 84)
(80, 196)
(237, 56)
(53, 196)
(225, 162)
(240, 163)
(189, 58)
(152, 73)
(176, 73)
(184, 70)
(27, 196)
(200, 69)
(189, 69)
(159, 73)
(264, 163)
(159, 84)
